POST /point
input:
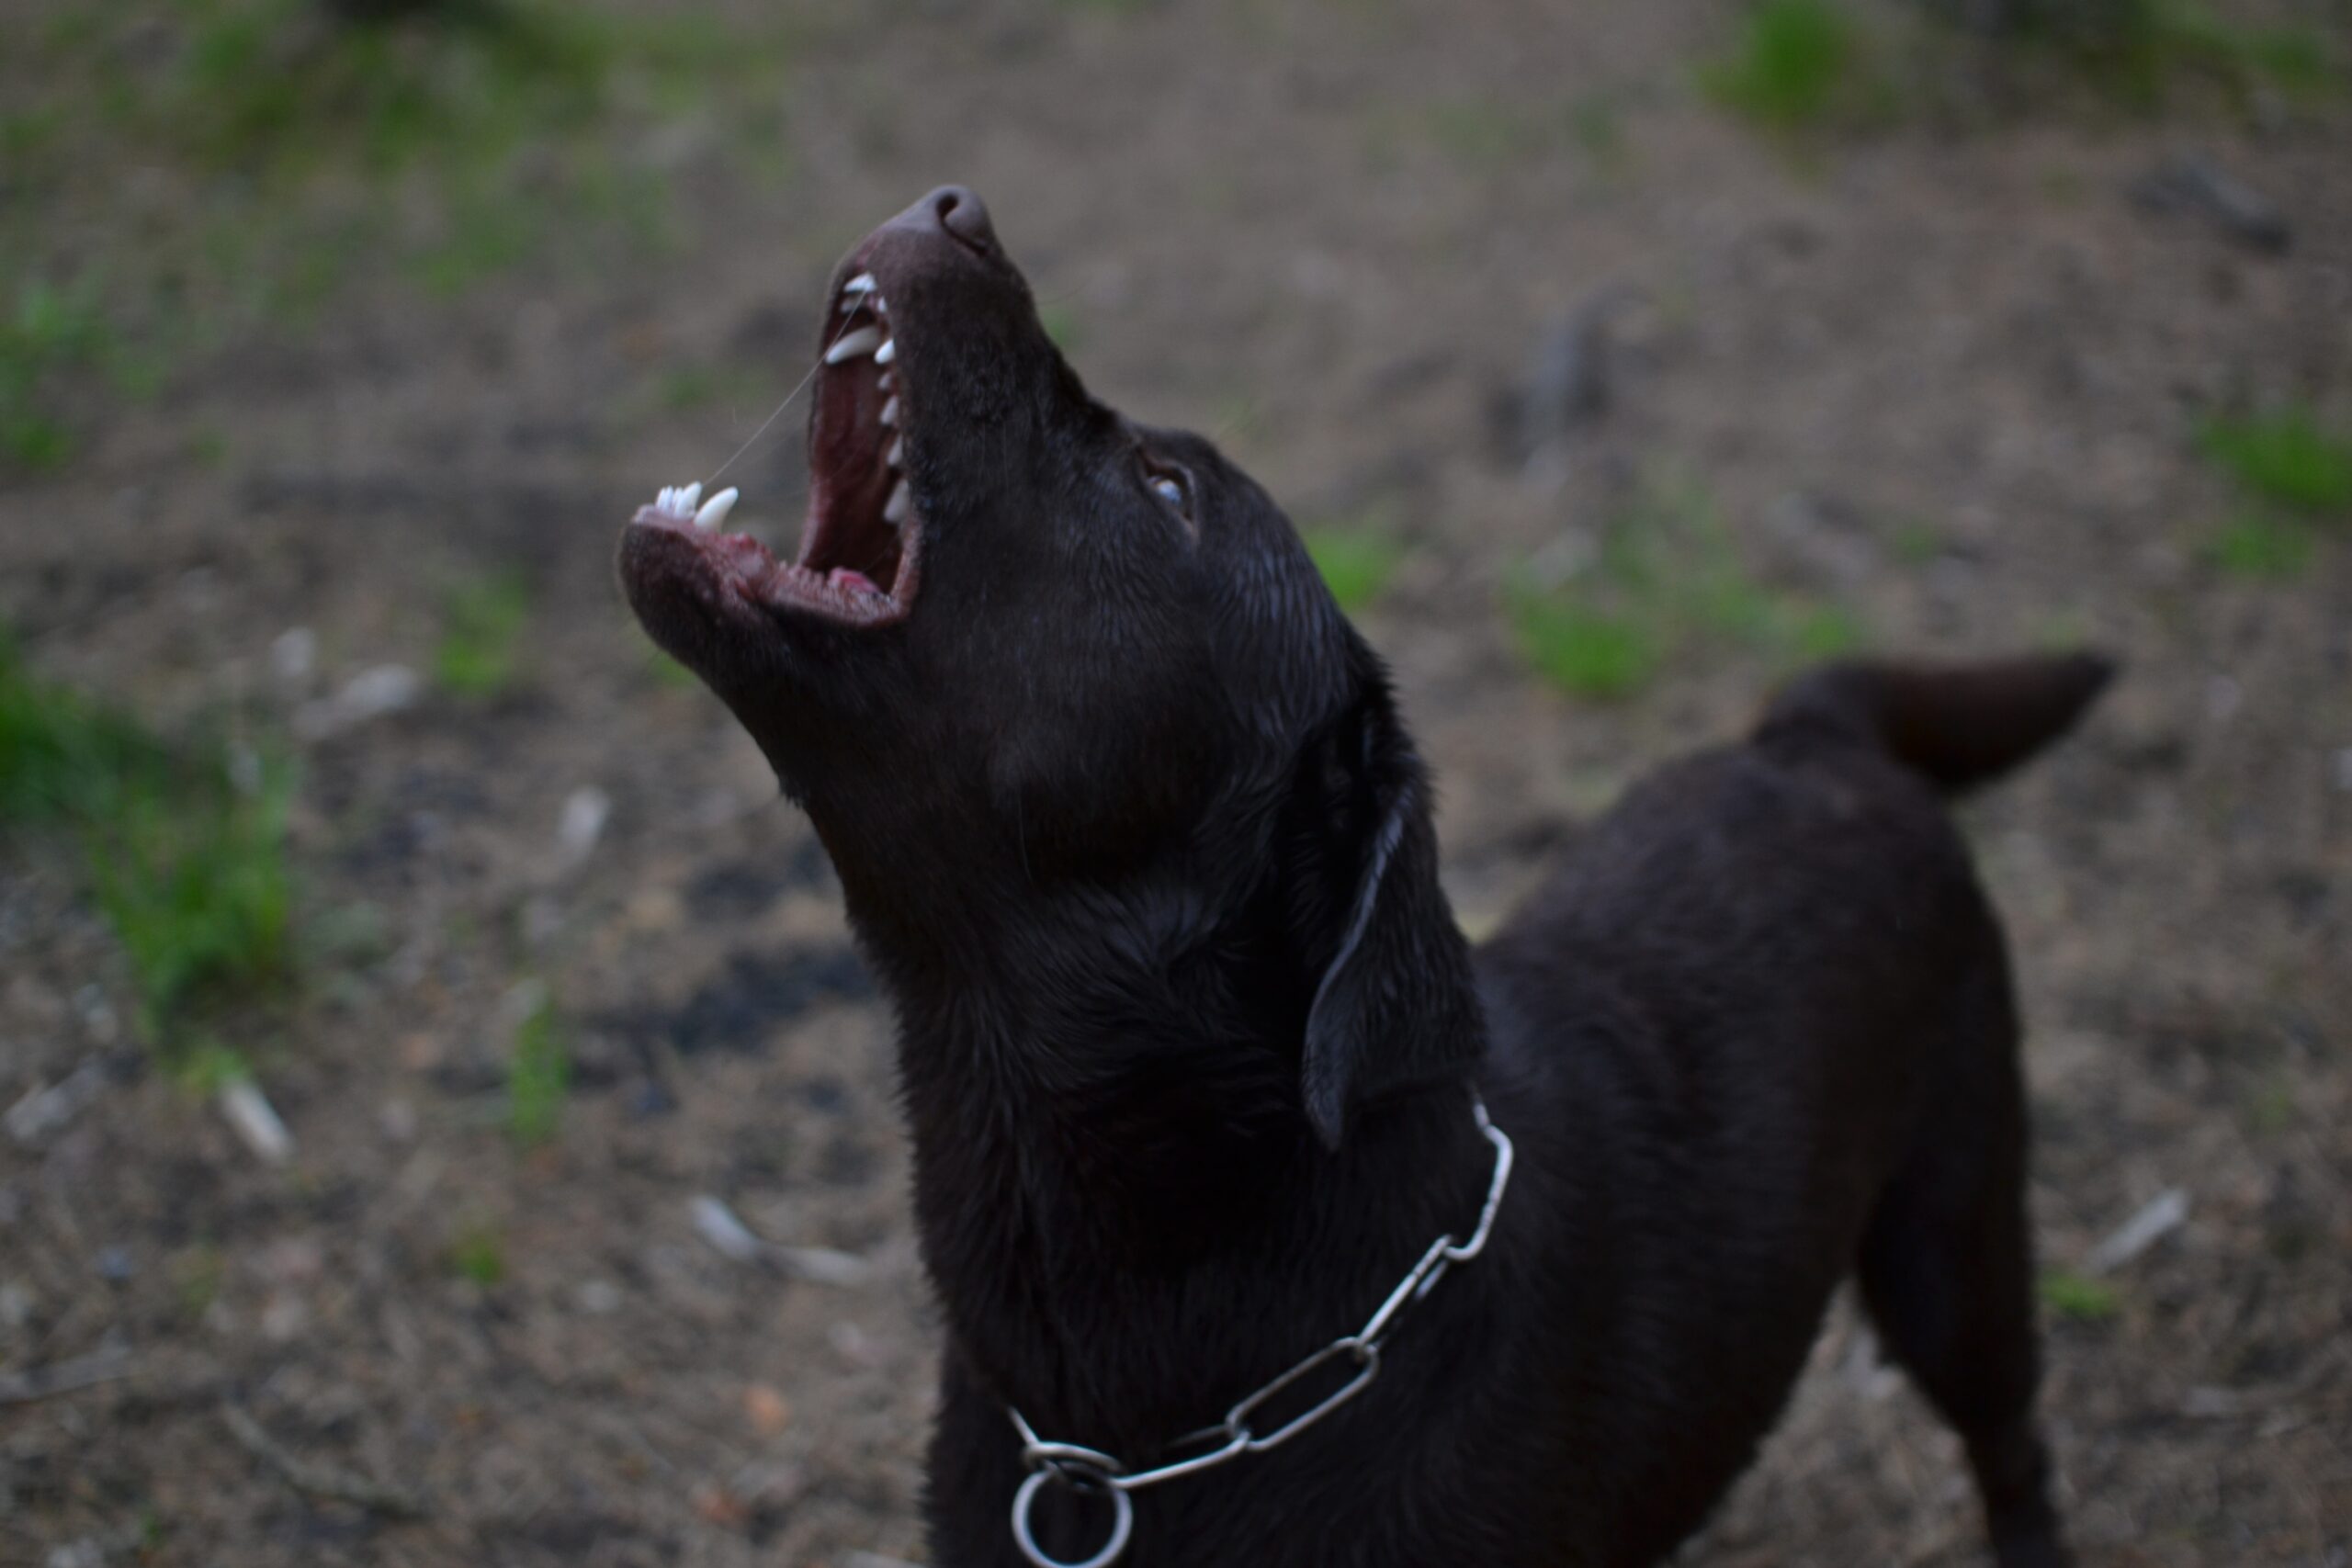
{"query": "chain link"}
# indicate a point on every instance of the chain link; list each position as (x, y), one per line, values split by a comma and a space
(1089, 1470)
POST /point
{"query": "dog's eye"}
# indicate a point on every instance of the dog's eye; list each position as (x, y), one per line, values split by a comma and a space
(1173, 486)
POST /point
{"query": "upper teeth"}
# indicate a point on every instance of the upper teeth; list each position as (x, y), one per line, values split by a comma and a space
(678, 500)
(897, 456)
(894, 511)
(889, 414)
(887, 351)
(862, 284)
(850, 344)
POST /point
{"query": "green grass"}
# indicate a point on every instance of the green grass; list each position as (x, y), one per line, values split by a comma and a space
(48, 332)
(1668, 583)
(197, 892)
(2284, 457)
(311, 153)
(206, 1069)
(1598, 130)
(2270, 1108)
(266, 84)
(482, 625)
(538, 1075)
(1062, 325)
(700, 386)
(1356, 560)
(2139, 52)
(1797, 64)
(197, 1276)
(1582, 649)
(1816, 632)
(478, 1252)
(2262, 548)
(663, 670)
(1916, 542)
(2077, 1298)
(189, 868)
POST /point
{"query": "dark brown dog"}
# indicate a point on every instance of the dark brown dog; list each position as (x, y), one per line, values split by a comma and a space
(1131, 832)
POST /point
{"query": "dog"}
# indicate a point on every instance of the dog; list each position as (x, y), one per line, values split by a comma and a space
(1498, 1256)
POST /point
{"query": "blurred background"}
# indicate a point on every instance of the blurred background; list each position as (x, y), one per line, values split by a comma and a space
(445, 1121)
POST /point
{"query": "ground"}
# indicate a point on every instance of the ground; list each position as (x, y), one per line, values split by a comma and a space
(1933, 383)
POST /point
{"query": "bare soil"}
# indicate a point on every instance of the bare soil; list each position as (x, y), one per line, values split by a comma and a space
(1948, 381)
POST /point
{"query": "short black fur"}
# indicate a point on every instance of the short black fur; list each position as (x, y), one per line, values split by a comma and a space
(1132, 833)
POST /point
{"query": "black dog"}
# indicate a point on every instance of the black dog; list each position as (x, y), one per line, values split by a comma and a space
(1189, 1038)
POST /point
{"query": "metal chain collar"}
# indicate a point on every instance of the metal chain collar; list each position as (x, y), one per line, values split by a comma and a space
(1089, 1470)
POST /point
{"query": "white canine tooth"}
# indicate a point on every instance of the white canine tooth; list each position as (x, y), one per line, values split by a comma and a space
(714, 510)
(862, 283)
(887, 351)
(897, 456)
(850, 344)
(889, 414)
(894, 511)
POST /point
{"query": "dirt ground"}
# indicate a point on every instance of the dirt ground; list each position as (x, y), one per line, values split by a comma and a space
(1946, 381)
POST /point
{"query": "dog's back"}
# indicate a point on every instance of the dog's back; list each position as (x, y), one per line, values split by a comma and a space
(1762, 1015)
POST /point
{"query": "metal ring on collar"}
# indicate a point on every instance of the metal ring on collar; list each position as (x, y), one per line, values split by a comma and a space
(1123, 1523)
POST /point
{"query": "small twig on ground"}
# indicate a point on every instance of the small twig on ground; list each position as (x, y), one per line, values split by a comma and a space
(250, 1112)
(2155, 1220)
(102, 1365)
(313, 1479)
(733, 1239)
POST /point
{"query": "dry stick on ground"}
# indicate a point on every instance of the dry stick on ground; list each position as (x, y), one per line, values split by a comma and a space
(107, 1362)
(316, 1480)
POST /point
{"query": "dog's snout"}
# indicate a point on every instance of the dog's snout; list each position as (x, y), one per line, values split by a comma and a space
(963, 214)
(955, 212)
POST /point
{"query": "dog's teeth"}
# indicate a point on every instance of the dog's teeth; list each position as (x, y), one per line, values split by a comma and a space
(895, 510)
(885, 383)
(889, 415)
(853, 344)
(862, 283)
(887, 351)
(714, 510)
(897, 456)
(690, 498)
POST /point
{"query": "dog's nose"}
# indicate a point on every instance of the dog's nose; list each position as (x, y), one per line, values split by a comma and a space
(958, 212)
(963, 214)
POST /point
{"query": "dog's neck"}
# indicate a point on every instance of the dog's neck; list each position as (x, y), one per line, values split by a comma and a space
(1112, 1166)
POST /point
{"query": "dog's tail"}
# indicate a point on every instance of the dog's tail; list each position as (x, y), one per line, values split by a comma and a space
(1960, 725)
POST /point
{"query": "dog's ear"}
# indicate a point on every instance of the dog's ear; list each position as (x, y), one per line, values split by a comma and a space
(1394, 1003)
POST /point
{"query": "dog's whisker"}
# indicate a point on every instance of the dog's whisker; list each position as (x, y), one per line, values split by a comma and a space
(841, 331)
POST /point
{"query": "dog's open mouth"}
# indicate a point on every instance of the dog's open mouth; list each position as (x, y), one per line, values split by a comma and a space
(862, 545)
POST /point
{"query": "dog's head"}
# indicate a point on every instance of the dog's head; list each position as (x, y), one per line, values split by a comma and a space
(1034, 651)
